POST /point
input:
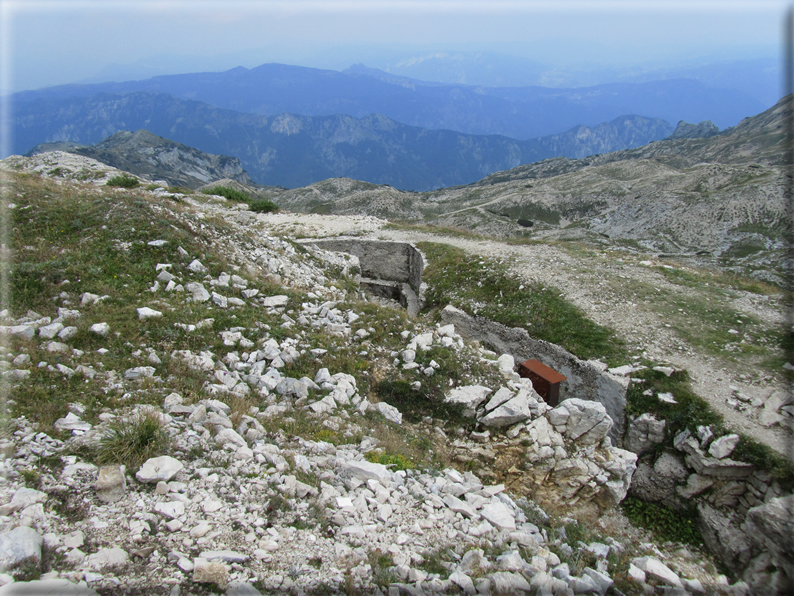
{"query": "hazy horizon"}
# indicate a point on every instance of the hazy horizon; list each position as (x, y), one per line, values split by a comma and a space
(573, 43)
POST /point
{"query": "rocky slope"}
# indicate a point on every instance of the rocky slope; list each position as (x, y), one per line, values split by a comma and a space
(253, 367)
(155, 158)
(720, 197)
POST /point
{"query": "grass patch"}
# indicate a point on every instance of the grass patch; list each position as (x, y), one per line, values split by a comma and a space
(123, 181)
(415, 404)
(263, 206)
(229, 194)
(485, 287)
(667, 524)
(132, 442)
(398, 462)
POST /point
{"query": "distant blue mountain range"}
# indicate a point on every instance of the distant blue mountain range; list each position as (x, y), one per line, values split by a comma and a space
(516, 112)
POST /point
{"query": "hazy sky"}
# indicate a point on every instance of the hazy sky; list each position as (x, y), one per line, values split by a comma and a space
(58, 41)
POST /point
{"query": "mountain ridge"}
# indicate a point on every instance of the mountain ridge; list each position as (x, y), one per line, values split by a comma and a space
(292, 151)
(516, 112)
(146, 154)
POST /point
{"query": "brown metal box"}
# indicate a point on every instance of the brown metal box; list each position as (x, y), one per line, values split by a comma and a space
(545, 380)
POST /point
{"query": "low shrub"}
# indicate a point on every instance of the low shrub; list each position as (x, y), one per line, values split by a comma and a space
(676, 526)
(228, 193)
(123, 181)
(263, 206)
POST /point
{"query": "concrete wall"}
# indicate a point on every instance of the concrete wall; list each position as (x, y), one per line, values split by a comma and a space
(380, 259)
(585, 379)
(383, 262)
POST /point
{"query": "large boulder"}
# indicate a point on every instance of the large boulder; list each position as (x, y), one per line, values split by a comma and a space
(469, 397)
(643, 433)
(585, 422)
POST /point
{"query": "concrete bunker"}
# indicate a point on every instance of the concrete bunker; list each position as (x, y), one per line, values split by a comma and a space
(388, 269)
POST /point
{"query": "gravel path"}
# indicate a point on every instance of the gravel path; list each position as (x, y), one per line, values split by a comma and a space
(604, 288)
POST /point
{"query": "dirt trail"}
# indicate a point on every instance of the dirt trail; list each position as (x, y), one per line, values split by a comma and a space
(605, 290)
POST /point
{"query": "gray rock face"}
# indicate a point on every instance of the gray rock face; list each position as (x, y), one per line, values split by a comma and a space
(643, 433)
(770, 527)
(723, 535)
(20, 546)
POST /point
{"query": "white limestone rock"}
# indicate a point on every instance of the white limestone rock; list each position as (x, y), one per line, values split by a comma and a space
(469, 397)
(160, 468)
(148, 313)
(111, 484)
(389, 412)
(499, 514)
(657, 570)
(510, 412)
(100, 329)
(724, 446)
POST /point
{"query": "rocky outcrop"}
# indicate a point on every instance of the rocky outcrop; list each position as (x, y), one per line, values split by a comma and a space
(702, 130)
(741, 513)
(585, 380)
(145, 154)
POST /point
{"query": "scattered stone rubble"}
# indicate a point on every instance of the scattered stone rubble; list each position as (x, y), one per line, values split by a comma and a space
(240, 505)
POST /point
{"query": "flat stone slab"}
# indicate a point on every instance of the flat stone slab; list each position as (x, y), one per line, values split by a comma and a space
(160, 468)
(499, 515)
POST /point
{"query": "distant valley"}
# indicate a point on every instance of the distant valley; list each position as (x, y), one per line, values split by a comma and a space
(293, 151)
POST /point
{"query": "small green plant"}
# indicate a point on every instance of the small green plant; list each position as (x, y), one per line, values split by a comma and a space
(398, 461)
(326, 435)
(414, 405)
(132, 442)
(263, 206)
(151, 187)
(123, 181)
(32, 478)
(228, 193)
(677, 526)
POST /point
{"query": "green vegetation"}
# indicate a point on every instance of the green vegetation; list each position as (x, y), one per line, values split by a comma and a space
(415, 404)
(667, 524)
(485, 287)
(263, 206)
(692, 411)
(123, 181)
(398, 461)
(132, 442)
(230, 194)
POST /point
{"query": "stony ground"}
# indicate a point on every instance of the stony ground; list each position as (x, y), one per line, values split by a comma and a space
(620, 290)
(282, 473)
